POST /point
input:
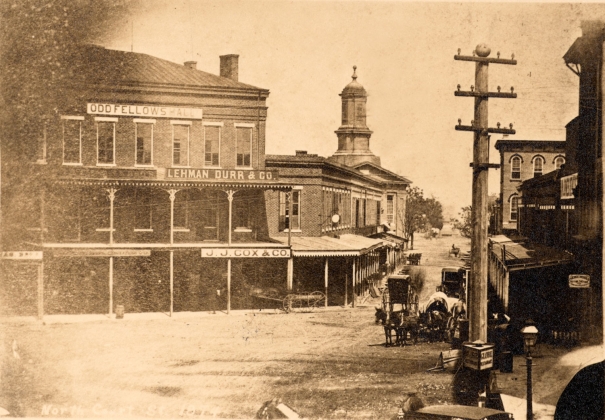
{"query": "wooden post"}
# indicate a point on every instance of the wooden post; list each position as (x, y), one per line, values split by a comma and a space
(41, 290)
(171, 281)
(478, 286)
(326, 282)
(290, 273)
(172, 198)
(228, 286)
(353, 281)
(110, 286)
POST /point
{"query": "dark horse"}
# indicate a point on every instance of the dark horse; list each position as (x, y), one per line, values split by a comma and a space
(399, 322)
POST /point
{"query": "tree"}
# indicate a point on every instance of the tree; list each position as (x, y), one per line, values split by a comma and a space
(421, 214)
(464, 224)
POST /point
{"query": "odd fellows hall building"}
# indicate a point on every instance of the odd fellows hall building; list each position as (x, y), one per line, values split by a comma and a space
(151, 191)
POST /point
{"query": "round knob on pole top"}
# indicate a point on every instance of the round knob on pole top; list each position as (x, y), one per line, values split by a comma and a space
(483, 50)
(472, 88)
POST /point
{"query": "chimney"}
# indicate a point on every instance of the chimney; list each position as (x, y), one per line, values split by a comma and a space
(191, 64)
(229, 66)
(301, 153)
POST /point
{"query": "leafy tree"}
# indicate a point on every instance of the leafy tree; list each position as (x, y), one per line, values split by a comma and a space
(421, 214)
(464, 224)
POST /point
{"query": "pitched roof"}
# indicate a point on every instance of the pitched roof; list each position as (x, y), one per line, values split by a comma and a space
(391, 176)
(98, 65)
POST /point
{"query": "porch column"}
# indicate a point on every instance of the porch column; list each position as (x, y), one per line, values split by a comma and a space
(171, 281)
(112, 195)
(228, 286)
(326, 282)
(353, 281)
(290, 273)
(110, 286)
(230, 194)
(172, 198)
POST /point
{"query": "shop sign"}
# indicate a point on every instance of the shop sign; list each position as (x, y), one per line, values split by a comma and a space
(151, 111)
(478, 356)
(83, 252)
(222, 174)
(245, 253)
(579, 281)
(22, 255)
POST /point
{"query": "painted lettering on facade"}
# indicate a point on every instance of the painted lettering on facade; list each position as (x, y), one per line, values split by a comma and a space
(222, 174)
(478, 357)
(83, 252)
(152, 111)
(22, 255)
(245, 253)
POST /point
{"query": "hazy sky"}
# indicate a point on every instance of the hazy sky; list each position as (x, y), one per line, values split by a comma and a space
(303, 52)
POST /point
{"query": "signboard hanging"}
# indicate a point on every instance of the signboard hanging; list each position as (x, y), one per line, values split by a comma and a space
(579, 281)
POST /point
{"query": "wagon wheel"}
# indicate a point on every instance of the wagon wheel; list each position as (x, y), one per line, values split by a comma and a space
(316, 300)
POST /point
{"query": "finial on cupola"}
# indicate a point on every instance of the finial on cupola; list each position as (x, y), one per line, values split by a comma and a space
(354, 73)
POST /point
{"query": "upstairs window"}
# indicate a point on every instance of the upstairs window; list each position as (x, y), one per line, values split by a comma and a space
(144, 142)
(106, 135)
(514, 208)
(559, 161)
(72, 140)
(538, 166)
(515, 168)
(180, 143)
(212, 144)
(390, 207)
(285, 219)
(243, 145)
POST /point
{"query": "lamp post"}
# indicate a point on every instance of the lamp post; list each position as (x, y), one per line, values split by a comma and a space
(530, 336)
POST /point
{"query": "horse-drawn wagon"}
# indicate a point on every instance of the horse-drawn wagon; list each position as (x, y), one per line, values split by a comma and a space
(291, 302)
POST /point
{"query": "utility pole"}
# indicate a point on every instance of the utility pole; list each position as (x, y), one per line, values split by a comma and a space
(477, 293)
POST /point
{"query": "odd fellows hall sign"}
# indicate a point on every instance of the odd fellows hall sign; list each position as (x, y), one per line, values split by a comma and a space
(151, 111)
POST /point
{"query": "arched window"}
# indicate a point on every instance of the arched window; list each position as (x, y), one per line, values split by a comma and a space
(538, 165)
(559, 161)
(515, 169)
(514, 208)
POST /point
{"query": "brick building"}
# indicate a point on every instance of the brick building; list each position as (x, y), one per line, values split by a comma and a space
(148, 189)
(347, 210)
(555, 275)
(521, 160)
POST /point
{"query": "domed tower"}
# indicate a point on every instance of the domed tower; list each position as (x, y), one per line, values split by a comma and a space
(354, 135)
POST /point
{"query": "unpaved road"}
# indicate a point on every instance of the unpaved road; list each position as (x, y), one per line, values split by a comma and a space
(325, 364)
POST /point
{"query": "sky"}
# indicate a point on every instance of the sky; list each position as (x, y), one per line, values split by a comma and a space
(304, 51)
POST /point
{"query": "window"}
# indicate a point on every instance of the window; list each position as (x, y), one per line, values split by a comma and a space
(515, 169)
(212, 144)
(242, 214)
(514, 208)
(243, 146)
(106, 134)
(377, 212)
(390, 208)
(144, 141)
(538, 165)
(285, 221)
(209, 208)
(41, 150)
(180, 143)
(559, 161)
(143, 211)
(72, 140)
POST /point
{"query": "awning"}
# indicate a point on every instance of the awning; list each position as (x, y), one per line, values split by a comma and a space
(389, 239)
(326, 246)
(525, 255)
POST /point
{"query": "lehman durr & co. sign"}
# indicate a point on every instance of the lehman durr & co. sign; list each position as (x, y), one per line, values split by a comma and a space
(222, 174)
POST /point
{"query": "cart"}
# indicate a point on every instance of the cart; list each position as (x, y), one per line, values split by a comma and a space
(293, 302)
(399, 292)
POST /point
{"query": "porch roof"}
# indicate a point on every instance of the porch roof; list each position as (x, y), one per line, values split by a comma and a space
(174, 184)
(526, 255)
(325, 246)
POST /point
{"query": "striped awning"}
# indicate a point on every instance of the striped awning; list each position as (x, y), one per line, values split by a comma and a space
(325, 246)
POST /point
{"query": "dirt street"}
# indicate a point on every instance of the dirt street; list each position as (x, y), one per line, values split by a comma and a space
(325, 364)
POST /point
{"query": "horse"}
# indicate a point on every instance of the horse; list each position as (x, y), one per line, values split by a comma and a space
(399, 322)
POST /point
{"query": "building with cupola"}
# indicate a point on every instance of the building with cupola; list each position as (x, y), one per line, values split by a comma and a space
(146, 188)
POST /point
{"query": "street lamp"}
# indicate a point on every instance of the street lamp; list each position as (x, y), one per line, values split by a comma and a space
(530, 336)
